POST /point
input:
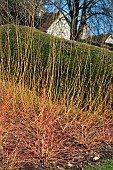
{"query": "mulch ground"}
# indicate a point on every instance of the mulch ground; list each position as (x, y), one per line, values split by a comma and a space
(75, 163)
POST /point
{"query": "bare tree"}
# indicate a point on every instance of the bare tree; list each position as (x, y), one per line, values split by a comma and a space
(23, 12)
(39, 7)
(78, 12)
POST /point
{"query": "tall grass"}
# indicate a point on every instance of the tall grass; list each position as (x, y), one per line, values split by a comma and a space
(56, 96)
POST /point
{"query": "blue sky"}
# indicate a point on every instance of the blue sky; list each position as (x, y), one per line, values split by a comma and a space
(99, 24)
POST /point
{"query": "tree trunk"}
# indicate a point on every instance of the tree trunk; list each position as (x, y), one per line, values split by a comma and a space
(83, 20)
(73, 30)
(74, 20)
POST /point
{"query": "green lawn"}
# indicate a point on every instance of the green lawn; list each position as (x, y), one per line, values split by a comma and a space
(106, 165)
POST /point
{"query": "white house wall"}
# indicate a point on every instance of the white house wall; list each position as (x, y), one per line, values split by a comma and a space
(60, 28)
(86, 32)
(109, 40)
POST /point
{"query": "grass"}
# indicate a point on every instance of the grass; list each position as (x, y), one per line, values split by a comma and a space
(106, 165)
(56, 98)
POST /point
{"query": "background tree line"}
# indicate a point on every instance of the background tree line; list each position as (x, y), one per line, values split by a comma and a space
(24, 12)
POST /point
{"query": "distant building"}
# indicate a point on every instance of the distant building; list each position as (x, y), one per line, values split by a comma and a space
(109, 40)
(55, 24)
(103, 38)
(86, 32)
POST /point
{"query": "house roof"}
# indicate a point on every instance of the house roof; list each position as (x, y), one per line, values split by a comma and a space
(47, 19)
(100, 38)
